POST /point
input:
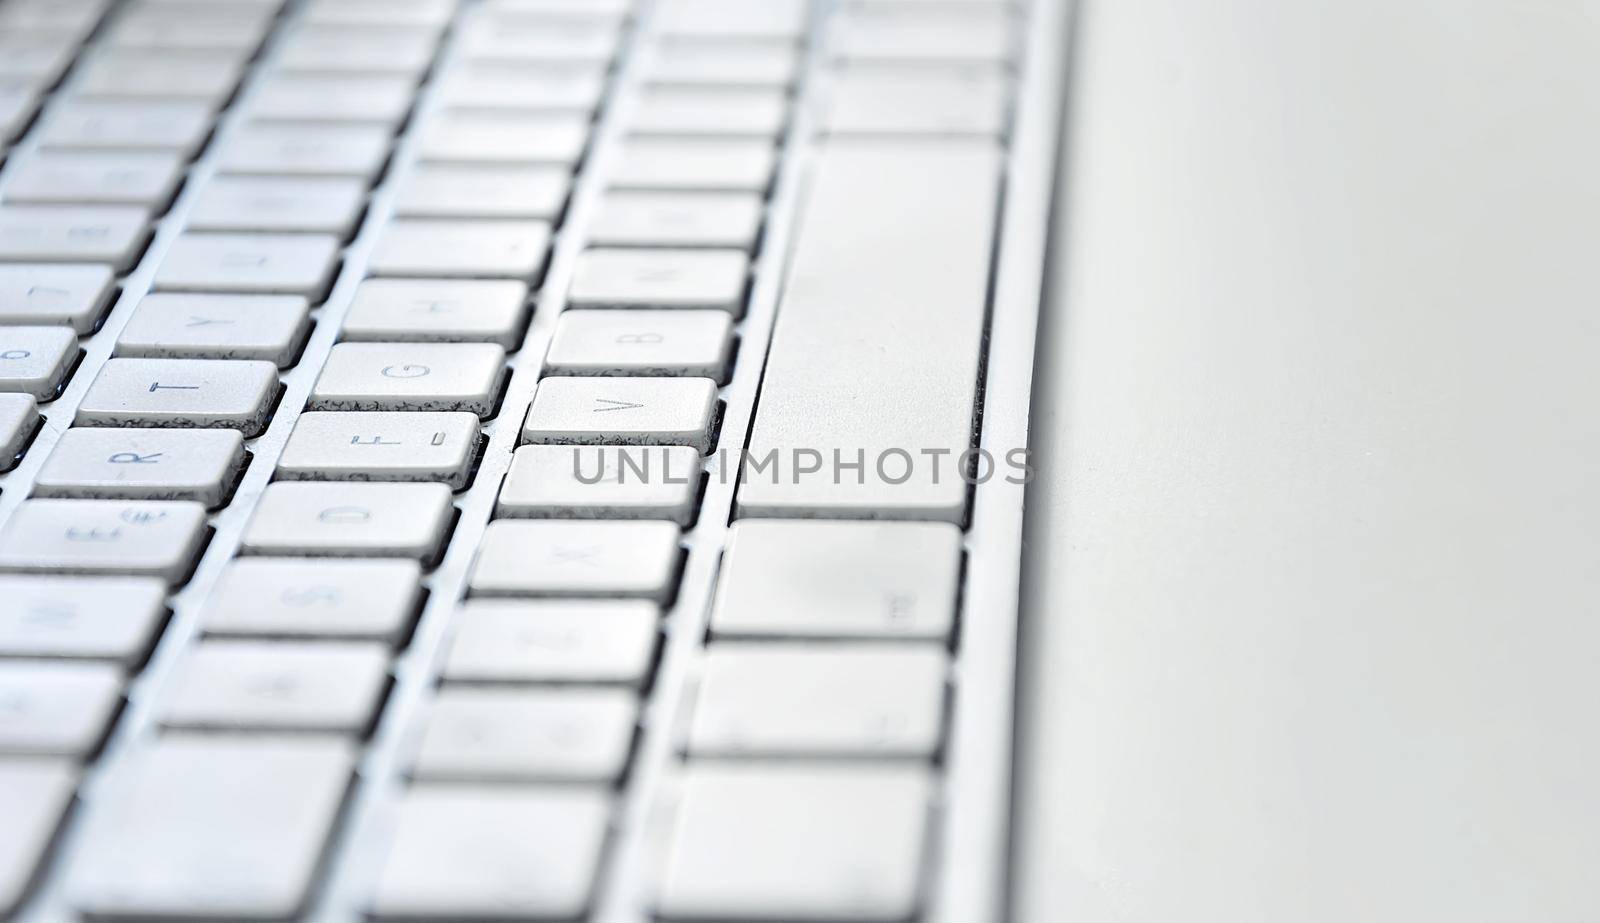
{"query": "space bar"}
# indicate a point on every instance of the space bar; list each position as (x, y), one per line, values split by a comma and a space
(866, 404)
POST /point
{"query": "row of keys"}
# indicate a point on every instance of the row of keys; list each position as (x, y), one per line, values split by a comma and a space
(460, 848)
(108, 153)
(842, 834)
(202, 366)
(445, 832)
(320, 518)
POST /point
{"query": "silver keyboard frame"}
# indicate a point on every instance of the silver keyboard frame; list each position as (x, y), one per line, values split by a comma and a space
(969, 877)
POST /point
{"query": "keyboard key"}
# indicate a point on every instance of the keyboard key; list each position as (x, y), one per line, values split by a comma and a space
(954, 33)
(381, 98)
(269, 328)
(819, 699)
(46, 294)
(732, 19)
(57, 709)
(613, 12)
(712, 63)
(70, 234)
(169, 125)
(143, 464)
(329, 205)
(512, 641)
(306, 150)
(836, 843)
(438, 310)
(209, 76)
(519, 735)
(278, 686)
(155, 539)
(669, 219)
(187, 393)
(36, 58)
(35, 360)
(238, 27)
(465, 853)
(492, 36)
(838, 580)
(411, 376)
(442, 191)
(73, 178)
(908, 100)
(924, 294)
(19, 420)
(303, 598)
(293, 264)
(602, 482)
(430, 13)
(733, 111)
(623, 411)
(513, 86)
(381, 446)
(641, 342)
(661, 279)
(372, 49)
(503, 138)
(620, 559)
(694, 164)
(73, 17)
(350, 520)
(461, 249)
(211, 827)
(34, 795)
(81, 618)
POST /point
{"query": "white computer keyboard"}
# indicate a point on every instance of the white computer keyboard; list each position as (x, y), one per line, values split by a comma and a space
(380, 384)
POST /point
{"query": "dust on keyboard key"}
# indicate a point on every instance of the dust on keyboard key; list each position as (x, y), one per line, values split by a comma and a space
(35, 360)
(697, 344)
(661, 279)
(19, 420)
(411, 376)
(114, 235)
(156, 539)
(623, 411)
(293, 264)
(381, 446)
(316, 519)
(438, 310)
(38, 293)
(270, 328)
(143, 464)
(203, 393)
